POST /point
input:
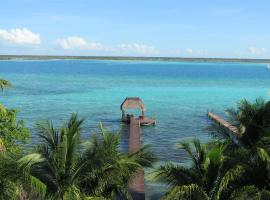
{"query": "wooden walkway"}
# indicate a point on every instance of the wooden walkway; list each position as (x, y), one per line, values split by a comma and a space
(222, 122)
(135, 140)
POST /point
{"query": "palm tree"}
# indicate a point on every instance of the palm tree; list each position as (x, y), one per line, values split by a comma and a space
(111, 169)
(98, 170)
(252, 121)
(208, 177)
(16, 181)
(187, 182)
(251, 147)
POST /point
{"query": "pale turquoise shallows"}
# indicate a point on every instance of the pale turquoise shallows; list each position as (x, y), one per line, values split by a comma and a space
(177, 94)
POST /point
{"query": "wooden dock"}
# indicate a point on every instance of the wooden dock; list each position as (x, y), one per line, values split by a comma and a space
(136, 187)
(135, 140)
(223, 122)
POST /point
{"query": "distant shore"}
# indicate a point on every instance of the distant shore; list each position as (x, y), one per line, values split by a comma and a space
(127, 58)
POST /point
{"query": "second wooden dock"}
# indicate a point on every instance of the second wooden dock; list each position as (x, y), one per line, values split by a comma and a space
(223, 123)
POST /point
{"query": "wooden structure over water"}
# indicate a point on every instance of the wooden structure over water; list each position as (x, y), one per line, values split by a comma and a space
(135, 103)
(223, 122)
(136, 187)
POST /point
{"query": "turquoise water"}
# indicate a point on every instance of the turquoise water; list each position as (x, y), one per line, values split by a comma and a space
(177, 94)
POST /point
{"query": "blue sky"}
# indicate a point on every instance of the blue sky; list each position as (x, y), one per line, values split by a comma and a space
(178, 28)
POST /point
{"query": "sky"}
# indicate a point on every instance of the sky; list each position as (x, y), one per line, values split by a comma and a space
(171, 28)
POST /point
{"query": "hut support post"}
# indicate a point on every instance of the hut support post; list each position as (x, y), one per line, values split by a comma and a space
(123, 114)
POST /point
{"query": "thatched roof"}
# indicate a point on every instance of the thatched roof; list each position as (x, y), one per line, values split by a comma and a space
(133, 102)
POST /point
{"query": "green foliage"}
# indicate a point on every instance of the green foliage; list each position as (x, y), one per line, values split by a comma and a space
(16, 181)
(252, 120)
(12, 131)
(232, 167)
(4, 84)
(191, 191)
(99, 171)
(199, 180)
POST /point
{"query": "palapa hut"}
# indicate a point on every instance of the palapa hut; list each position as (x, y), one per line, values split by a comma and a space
(132, 103)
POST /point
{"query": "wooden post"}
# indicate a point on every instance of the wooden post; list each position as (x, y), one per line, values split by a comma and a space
(123, 115)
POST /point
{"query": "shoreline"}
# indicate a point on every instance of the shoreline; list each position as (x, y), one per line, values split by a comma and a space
(130, 58)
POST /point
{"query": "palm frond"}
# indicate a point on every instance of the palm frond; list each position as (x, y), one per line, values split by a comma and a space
(19, 172)
(73, 193)
(144, 157)
(197, 153)
(246, 192)
(191, 191)
(108, 171)
(175, 175)
(49, 134)
(263, 155)
(231, 175)
(265, 195)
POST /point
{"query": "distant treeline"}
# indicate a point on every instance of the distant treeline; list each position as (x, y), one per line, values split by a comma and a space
(168, 59)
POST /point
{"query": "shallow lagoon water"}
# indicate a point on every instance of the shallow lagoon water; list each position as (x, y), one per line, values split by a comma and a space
(177, 94)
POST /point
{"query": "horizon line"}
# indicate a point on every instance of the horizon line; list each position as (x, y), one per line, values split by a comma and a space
(143, 58)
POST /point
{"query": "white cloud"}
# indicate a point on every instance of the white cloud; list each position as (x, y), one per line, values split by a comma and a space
(137, 48)
(190, 51)
(75, 42)
(256, 51)
(19, 36)
(79, 43)
(253, 52)
(196, 52)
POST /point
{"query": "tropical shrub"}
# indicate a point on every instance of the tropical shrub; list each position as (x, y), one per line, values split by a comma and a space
(12, 131)
(232, 166)
(95, 169)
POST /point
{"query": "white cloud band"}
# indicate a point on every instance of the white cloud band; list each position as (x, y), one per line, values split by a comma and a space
(138, 48)
(79, 43)
(256, 51)
(75, 42)
(19, 36)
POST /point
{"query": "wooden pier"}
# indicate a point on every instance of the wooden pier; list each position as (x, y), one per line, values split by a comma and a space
(136, 187)
(223, 122)
(135, 140)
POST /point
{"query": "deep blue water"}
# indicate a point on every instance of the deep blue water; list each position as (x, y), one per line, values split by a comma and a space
(177, 94)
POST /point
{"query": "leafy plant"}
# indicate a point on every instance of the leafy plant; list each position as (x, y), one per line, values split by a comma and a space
(4, 84)
(99, 170)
